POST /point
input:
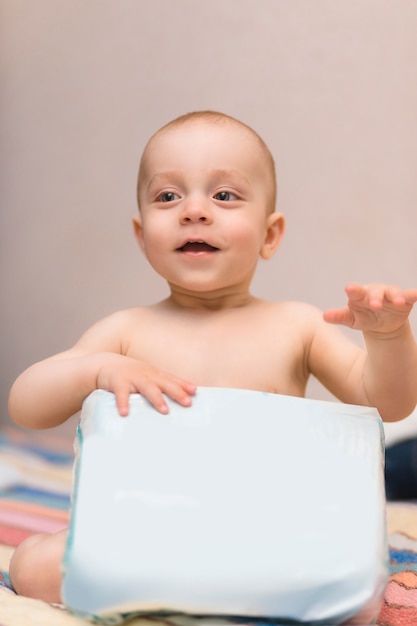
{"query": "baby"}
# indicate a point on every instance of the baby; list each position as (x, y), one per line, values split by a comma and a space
(206, 194)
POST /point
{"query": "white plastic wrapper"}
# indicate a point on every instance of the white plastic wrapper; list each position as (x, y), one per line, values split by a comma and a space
(247, 504)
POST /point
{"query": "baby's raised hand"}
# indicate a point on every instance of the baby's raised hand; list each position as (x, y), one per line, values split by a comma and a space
(123, 376)
(374, 308)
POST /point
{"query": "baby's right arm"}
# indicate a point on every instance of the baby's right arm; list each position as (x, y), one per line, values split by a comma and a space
(51, 391)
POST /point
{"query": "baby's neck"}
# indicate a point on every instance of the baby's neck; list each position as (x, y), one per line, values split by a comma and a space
(213, 301)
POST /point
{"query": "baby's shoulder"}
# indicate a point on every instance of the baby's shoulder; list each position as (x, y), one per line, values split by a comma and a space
(294, 310)
(116, 331)
(125, 318)
(119, 323)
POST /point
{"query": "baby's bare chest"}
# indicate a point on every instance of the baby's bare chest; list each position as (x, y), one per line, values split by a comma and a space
(255, 354)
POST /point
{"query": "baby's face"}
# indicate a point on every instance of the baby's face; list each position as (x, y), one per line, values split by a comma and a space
(204, 194)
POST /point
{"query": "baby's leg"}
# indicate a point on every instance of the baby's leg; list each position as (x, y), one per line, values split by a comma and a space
(35, 567)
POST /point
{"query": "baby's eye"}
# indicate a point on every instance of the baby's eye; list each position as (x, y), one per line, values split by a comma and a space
(168, 196)
(225, 196)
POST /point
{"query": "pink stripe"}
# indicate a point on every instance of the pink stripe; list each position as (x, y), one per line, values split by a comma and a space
(32, 522)
(33, 509)
(400, 596)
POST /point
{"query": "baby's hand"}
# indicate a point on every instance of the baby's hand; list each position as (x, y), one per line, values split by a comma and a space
(374, 308)
(123, 376)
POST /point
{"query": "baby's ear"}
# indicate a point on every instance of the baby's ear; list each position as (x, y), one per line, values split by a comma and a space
(275, 228)
(138, 230)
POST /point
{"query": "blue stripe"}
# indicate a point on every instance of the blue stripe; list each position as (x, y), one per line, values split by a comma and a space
(53, 456)
(36, 496)
(402, 556)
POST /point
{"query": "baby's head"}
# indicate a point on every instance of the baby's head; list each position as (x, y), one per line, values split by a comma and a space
(228, 132)
(206, 194)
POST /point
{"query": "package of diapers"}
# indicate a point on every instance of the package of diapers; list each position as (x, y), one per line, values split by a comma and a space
(244, 508)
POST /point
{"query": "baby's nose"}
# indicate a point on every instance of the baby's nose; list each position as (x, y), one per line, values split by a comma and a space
(196, 210)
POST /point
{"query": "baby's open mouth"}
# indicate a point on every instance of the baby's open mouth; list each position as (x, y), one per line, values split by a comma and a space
(197, 246)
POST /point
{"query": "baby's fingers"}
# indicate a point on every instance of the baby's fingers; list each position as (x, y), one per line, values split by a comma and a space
(122, 399)
(376, 296)
(338, 316)
(154, 390)
(368, 296)
(410, 296)
(180, 391)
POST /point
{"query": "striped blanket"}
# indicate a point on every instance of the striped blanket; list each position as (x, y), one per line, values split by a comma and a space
(35, 486)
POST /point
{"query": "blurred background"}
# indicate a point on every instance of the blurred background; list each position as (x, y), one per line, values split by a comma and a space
(330, 86)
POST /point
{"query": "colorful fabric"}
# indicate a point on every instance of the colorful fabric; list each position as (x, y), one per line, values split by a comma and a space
(35, 487)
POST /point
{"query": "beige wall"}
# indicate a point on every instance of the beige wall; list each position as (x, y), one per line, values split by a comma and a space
(331, 86)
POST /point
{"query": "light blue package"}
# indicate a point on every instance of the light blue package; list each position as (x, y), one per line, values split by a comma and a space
(246, 504)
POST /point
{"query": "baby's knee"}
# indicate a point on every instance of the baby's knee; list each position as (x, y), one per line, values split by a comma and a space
(35, 567)
(23, 564)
